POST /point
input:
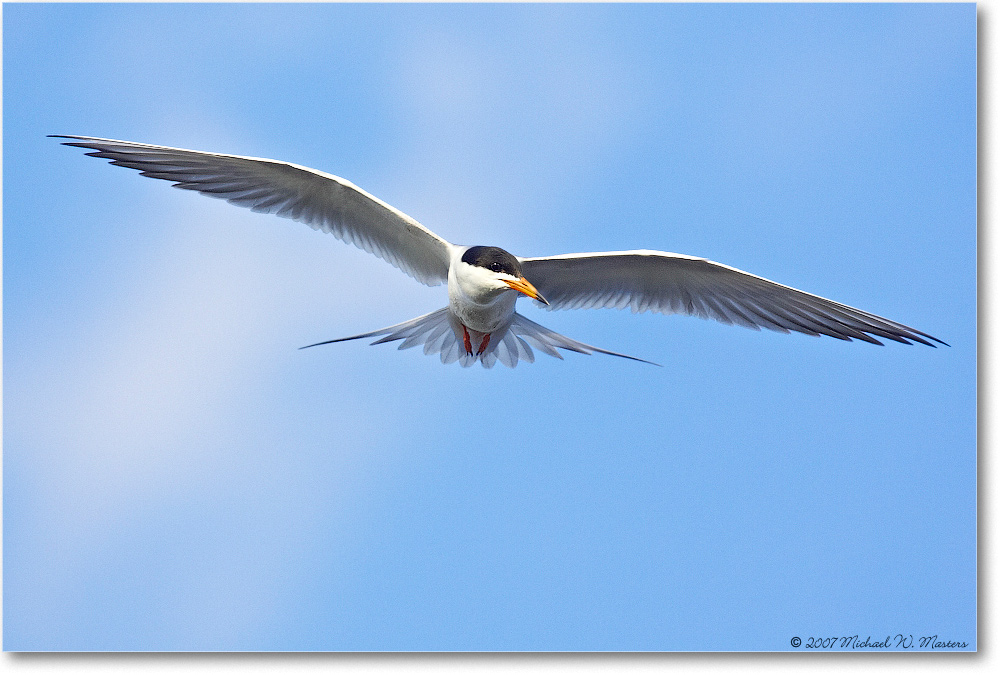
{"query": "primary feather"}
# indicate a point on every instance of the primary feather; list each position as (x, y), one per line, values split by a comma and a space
(670, 283)
(321, 200)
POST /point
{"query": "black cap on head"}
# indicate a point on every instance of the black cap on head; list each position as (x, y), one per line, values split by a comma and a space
(494, 259)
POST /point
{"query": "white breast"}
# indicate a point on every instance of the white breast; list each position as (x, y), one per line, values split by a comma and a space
(478, 299)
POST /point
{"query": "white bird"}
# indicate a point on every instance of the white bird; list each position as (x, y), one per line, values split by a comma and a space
(480, 322)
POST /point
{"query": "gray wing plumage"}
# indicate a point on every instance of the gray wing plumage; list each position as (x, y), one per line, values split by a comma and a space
(321, 200)
(670, 283)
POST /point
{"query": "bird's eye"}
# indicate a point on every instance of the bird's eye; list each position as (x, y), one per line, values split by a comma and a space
(495, 267)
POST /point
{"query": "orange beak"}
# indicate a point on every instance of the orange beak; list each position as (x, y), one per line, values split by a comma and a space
(522, 285)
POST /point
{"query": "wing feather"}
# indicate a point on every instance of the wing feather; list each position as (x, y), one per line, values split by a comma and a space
(320, 200)
(671, 283)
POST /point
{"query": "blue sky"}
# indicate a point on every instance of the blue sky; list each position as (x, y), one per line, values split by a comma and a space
(177, 475)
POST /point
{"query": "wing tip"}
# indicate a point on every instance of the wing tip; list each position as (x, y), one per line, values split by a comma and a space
(72, 138)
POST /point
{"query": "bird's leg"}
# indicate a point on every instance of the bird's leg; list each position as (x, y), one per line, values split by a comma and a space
(484, 345)
(468, 340)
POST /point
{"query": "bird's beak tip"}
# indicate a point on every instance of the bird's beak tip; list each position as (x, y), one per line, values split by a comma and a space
(524, 286)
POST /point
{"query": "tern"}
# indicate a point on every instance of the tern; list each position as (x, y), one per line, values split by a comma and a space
(480, 322)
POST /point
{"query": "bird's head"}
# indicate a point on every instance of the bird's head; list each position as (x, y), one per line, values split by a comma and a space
(495, 270)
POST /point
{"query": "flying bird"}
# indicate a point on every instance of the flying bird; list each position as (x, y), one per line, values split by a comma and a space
(480, 322)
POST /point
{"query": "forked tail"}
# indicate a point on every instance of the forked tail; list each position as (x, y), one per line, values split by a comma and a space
(441, 333)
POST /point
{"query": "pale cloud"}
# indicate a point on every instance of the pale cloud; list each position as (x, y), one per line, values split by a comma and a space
(472, 102)
(146, 401)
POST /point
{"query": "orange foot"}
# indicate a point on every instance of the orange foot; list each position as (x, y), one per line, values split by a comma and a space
(468, 340)
(484, 345)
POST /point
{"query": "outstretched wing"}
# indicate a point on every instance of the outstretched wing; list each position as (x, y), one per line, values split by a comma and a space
(670, 283)
(322, 201)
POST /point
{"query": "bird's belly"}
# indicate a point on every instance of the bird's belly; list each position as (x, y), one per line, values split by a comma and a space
(483, 318)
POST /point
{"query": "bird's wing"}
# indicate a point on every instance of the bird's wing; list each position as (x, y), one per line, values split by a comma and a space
(322, 201)
(670, 283)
